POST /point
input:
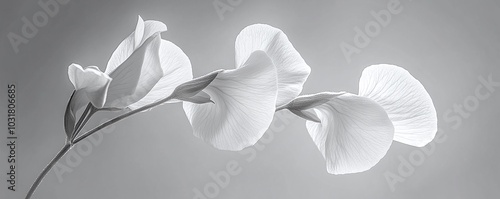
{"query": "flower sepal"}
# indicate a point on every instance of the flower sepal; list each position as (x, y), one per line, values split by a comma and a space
(301, 105)
(192, 91)
(69, 119)
(304, 102)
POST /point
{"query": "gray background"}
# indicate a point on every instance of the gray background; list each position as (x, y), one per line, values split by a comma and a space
(446, 44)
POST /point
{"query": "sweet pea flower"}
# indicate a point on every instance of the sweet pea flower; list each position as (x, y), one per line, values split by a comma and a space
(269, 73)
(291, 68)
(354, 132)
(143, 72)
(143, 69)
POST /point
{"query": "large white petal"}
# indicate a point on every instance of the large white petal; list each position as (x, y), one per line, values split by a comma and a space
(133, 79)
(406, 101)
(243, 108)
(176, 69)
(292, 69)
(90, 83)
(131, 42)
(354, 134)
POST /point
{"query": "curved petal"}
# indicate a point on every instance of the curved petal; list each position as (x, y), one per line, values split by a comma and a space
(90, 81)
(244, 104)
(292, 69)
(133, 79)
(354, 134)
(406, 101)
(131, 43)
(176, 69)
(138, 33)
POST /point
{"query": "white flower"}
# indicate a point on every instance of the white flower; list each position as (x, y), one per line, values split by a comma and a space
(291, 67)
(269, 72)
(243, 105)
(355, 132)
(90, 83)
(143, 69)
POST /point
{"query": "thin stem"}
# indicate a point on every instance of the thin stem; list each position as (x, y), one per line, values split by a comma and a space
(46, 170)
(110, 109)
(82, 117)
(117, 119)
(85, 120)
(67, 147)
(79, 127)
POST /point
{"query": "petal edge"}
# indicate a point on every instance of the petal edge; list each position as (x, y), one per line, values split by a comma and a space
(243, 108)
(406, 101)
(355, 133)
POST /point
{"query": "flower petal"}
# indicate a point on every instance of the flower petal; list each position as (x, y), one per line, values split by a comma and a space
(138, 33)
(133, 79)
(406, 101)
(129, 44)
(90, 81)
(354, 134)
(244, 104)
(176, 68)
(292, 69)
(152, 27)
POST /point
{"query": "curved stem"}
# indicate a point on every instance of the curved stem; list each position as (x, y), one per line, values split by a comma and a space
(46, 170)
(117, 119)
(68, 146)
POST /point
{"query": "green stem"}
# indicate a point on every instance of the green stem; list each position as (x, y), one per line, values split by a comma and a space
(46, 170)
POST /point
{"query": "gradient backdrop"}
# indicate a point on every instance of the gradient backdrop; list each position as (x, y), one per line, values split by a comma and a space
(446, 44)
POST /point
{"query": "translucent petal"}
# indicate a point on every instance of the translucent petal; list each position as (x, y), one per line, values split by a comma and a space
(354, 134)
(138, 33)
(406, 101)
(176, 68)
(135, 78)
(128, 45)
(243, 108)
(292, 69)
(91, 82)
